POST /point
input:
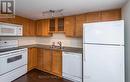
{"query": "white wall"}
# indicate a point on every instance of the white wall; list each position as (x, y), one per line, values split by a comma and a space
(66, 41)
(126, 17)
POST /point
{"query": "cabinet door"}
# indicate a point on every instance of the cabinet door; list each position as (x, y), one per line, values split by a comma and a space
(40, 59)
(25, 23)
(80, 20)
(47, 60)
(111, 15)
(32, 58)
(60, 24)
(43, 27)
(69, 26)
(57, 62)
(32, 28)
(52, 25)
(93, 17)
(39, 27)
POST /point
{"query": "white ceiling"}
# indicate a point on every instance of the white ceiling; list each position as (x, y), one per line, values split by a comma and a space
(33, 8)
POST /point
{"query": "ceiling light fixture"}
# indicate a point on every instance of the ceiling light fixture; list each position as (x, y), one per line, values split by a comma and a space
(53, 13)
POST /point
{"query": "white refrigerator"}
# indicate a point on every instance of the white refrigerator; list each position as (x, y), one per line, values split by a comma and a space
(103, 52)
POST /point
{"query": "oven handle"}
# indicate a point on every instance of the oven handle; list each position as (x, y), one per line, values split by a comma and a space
(13, 59)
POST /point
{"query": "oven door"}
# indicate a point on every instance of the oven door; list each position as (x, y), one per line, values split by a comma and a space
(8, 30)
(12, 60)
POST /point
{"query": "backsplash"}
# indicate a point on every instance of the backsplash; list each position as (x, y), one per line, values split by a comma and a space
(27, 40)
(66, 41)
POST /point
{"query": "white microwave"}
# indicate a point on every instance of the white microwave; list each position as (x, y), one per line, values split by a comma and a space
(10, 30)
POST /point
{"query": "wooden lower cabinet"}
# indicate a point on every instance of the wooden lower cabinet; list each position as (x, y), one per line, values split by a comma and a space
(40, 57)
(32, 58)
(57, 62)
(44, 60)
(49, 61)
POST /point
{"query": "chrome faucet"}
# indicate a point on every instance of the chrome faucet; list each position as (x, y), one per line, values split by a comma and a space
(60, 44)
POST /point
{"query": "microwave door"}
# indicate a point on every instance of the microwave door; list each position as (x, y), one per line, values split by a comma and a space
(8, 30)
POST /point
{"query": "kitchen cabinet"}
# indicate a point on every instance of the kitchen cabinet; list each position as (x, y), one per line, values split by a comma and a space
(52, 25)
(60, 24)
(44, 60)
(69, 25)
(47, 60)
(32, 58)
(93, 17)
(40, 57)
(43, 27)
(111, 15)
(80, 20)
(32, 29)
(73, 25)
(57, 62)
(39, 27)
(56, 25)
(28, 27)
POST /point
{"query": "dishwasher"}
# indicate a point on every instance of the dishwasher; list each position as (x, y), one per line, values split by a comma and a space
(72, 66)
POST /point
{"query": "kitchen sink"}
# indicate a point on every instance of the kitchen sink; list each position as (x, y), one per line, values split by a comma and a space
(56, 47)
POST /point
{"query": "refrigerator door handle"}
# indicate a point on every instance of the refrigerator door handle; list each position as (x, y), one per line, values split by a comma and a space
(84, 56)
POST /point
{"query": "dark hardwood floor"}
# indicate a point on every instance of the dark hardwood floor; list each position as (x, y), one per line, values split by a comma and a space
(39, 76)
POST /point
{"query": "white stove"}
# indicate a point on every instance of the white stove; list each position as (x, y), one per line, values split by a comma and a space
(13, 64)
(4, 44)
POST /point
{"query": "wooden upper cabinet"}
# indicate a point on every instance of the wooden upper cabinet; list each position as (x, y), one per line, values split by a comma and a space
(80, 20)
(56, 25)
(32, 28)
(111, 15)
(28, 25)
(69, 25)
(60, 25)
(43, 27)
(46, 27)
(39, 27)
(93, 17)
(26, 28)
(52, 25)
(3, 20)
(57, 62)
(32, 58)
